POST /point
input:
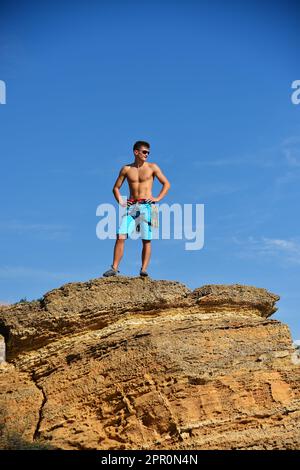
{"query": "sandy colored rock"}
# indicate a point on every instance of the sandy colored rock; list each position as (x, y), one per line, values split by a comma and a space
(83, 306)
(21, 401)
(129, 363)
(239, 296)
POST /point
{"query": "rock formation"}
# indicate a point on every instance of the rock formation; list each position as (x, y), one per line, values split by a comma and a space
(130, 363)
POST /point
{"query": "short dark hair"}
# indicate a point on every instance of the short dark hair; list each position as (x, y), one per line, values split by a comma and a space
(139, 144)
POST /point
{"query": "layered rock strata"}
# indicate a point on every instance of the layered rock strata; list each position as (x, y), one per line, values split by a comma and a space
(130, 363)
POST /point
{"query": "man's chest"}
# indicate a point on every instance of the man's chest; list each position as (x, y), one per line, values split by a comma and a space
(139, 175)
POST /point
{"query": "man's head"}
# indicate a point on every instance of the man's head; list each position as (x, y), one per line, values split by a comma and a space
(141, 150)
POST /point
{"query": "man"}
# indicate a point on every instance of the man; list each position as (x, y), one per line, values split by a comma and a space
(140, 176)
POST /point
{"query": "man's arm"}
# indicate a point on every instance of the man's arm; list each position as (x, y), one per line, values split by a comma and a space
(118, 184)
(163, 180)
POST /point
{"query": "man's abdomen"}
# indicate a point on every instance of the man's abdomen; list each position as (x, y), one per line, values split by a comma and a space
(141, 190)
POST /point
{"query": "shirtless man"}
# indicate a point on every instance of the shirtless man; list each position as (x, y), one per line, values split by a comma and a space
(140, 176)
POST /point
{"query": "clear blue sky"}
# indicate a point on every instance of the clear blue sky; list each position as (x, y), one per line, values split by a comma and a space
(207, 83)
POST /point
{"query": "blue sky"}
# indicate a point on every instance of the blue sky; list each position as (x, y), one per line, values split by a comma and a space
(207, 83)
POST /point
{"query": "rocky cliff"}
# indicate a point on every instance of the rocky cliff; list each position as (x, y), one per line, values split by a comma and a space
(130, 363)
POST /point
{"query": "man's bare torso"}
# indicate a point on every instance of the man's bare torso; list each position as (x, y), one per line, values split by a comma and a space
(140, 176)
(140, 180)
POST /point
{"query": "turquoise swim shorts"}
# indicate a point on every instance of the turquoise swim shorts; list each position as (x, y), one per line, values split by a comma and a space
(137, 217)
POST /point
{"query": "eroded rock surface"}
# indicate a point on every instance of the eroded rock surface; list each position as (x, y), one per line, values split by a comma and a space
(130, 363)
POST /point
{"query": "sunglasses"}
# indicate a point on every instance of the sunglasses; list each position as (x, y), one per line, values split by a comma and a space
(145, 152)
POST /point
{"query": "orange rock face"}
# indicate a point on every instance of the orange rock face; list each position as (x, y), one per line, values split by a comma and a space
(130, 363)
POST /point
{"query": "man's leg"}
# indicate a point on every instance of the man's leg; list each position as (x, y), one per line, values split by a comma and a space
(118, 251)
(146, 254)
